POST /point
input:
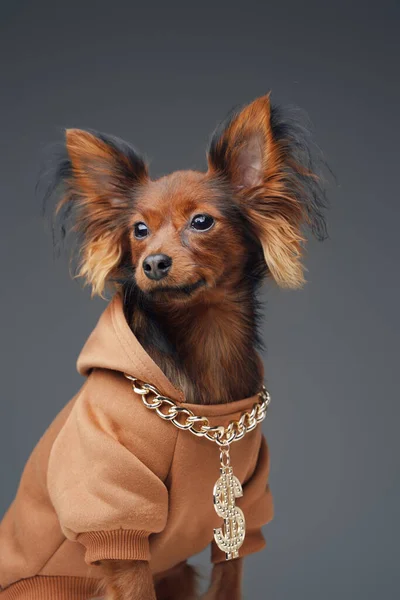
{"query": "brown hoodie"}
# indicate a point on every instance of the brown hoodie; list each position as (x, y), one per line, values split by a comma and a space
(111, 480)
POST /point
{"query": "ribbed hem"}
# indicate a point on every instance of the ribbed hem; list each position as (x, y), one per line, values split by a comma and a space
(51, 588)
(253, 542)
(119, 544)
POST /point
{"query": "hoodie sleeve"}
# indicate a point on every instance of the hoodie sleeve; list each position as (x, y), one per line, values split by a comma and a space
(105, 483)
(257, 507)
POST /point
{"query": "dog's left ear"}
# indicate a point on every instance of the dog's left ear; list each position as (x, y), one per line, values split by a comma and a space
(268, 162)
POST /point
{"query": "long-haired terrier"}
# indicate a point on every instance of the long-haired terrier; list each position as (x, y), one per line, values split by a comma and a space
(186, 255)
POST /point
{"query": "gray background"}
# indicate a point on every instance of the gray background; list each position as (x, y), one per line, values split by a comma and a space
(161, 76)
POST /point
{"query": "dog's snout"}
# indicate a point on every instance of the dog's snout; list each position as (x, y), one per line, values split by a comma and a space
(157, 266)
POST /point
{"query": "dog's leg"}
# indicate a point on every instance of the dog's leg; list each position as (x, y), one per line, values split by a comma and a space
(178, 583)
(226, 581)
(127, 580)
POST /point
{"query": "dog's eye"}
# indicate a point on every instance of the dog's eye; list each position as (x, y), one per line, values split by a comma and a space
(202, 222)
(141, 230)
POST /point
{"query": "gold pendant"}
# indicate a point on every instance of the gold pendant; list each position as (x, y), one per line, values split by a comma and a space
(231, 536)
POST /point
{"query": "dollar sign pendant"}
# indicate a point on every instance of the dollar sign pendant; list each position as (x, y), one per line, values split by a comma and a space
(231, 536)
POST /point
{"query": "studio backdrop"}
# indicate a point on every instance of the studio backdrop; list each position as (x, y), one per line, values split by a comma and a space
(161, 75)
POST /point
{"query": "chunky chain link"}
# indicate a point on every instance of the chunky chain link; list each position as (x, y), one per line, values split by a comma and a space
(184, 418)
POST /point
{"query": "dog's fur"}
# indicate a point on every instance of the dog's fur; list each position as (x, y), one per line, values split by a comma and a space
(199, 323)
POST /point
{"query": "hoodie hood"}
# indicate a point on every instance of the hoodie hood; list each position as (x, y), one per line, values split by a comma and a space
(112, 345)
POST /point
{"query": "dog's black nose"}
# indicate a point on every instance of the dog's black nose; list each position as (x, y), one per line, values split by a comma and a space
(157, 266)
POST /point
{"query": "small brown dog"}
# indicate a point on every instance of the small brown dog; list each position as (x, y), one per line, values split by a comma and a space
(187, 253)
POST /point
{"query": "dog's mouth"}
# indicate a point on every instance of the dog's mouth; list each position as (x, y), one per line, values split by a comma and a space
(179, 290)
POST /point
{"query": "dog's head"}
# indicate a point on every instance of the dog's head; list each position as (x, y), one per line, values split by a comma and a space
(191, 232)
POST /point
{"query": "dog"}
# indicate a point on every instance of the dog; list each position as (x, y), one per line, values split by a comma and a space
(188, 253)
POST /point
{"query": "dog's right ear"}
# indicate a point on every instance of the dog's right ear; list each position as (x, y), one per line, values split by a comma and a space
(99, 175)
(104, 166)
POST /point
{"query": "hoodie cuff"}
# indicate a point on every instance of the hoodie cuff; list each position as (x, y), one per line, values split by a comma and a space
(119, 544)
(253, 542)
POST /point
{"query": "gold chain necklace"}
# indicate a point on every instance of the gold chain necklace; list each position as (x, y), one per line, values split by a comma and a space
(228, 487)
